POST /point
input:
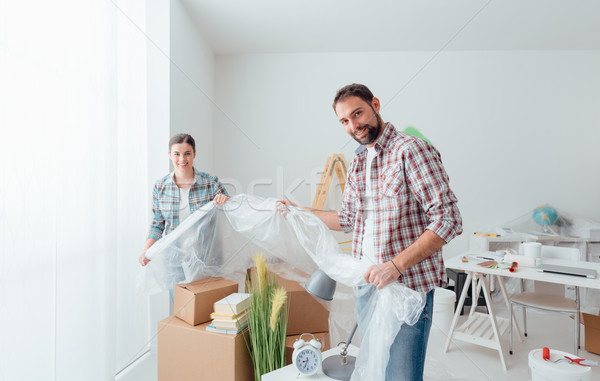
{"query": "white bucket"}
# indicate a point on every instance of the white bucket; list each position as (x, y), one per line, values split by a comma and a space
(443, 308)
(542, 370)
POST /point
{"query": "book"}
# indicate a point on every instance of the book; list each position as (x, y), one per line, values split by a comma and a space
(215, 315)
(211, 328)
(230, 323)
(233, 304)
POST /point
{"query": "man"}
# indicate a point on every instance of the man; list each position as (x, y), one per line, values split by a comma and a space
(399, 204)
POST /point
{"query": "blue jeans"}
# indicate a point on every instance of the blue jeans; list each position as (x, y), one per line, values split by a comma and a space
(407, 353)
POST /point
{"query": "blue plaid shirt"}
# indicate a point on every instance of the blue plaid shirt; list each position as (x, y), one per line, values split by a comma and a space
(165, 200)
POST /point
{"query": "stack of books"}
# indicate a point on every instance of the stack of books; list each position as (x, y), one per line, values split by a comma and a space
(230, 314)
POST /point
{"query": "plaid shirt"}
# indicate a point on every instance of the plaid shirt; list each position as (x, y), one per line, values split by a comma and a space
(165, 200)
(411, 193)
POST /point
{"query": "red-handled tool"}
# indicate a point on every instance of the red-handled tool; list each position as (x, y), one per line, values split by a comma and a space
(513, 267)
(582, 362)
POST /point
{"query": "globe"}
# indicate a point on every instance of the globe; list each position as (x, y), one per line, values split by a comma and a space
(545, 215)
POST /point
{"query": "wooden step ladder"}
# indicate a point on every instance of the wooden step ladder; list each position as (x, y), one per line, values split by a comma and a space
(336, 162)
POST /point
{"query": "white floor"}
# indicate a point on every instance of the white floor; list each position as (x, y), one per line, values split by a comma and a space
(464, 361)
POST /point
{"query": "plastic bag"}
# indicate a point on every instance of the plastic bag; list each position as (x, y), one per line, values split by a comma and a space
(220, 241)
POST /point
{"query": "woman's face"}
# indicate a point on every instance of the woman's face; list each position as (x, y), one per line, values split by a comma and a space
(182, 155)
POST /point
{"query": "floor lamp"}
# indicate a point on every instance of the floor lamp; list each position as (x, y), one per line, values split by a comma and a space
(339, 367)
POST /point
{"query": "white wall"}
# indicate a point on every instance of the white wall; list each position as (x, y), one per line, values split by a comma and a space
(191, 81)
(180, 78)
(515, 128)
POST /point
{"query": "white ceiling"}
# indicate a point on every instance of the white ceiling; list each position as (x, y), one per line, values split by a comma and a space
(290, 26)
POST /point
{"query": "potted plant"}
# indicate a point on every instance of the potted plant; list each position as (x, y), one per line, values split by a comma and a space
(267, 319)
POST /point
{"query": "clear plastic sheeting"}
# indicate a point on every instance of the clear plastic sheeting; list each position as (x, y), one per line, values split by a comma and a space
(220, 241)
(372, 316)
(548, 222)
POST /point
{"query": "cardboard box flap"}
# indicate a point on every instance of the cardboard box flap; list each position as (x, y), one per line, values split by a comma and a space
(592, 333)
(204, 285)
(289, 285)
(194, 301)
(592, 321)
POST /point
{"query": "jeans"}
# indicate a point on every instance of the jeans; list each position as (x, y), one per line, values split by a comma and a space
(407, 353)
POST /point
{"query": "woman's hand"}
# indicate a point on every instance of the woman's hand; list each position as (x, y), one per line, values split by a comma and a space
(220, 199)
(143, 260)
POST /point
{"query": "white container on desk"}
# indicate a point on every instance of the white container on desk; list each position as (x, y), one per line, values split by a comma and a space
(532, 249)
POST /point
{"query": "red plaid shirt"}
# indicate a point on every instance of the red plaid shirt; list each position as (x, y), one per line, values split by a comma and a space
(411, 193)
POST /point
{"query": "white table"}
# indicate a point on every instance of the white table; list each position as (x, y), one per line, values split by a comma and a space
(486, 329)
(291, 373)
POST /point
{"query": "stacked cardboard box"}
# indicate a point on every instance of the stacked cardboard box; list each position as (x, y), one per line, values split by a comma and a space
(194, 301)
(592, 333)
(307, 314)
(187, 351)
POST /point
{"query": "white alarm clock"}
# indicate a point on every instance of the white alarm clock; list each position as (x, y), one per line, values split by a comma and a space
(307, 355)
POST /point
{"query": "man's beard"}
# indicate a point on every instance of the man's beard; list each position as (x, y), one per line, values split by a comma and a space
(372, 132)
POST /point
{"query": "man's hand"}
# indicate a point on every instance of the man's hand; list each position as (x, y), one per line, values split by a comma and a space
(283, 207)
(330, 218)
(287, 203)
(382, 275)
(220, 199)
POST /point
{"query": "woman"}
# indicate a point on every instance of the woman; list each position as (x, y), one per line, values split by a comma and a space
(177, 195)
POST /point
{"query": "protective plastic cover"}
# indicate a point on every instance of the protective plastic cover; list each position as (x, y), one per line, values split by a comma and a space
(220, 241)
(547, 222)
(550, 225)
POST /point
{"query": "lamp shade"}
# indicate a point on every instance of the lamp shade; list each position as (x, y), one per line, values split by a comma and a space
(338, 367)
(320, 285)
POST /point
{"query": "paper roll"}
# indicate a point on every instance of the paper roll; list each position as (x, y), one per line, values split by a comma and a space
(522, 260)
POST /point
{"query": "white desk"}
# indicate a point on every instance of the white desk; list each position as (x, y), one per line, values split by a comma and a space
(486, 329)
(587, 246)
(291, 373)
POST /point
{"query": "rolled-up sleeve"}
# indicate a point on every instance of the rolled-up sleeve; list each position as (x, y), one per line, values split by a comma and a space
(430, 183)
(218, 187)
(347, 216)
(157, 227)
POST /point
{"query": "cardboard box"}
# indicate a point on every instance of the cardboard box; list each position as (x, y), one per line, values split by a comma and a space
(592, 333)
(188, 352)
(194, 302)
(323, 337)
(307, 315)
